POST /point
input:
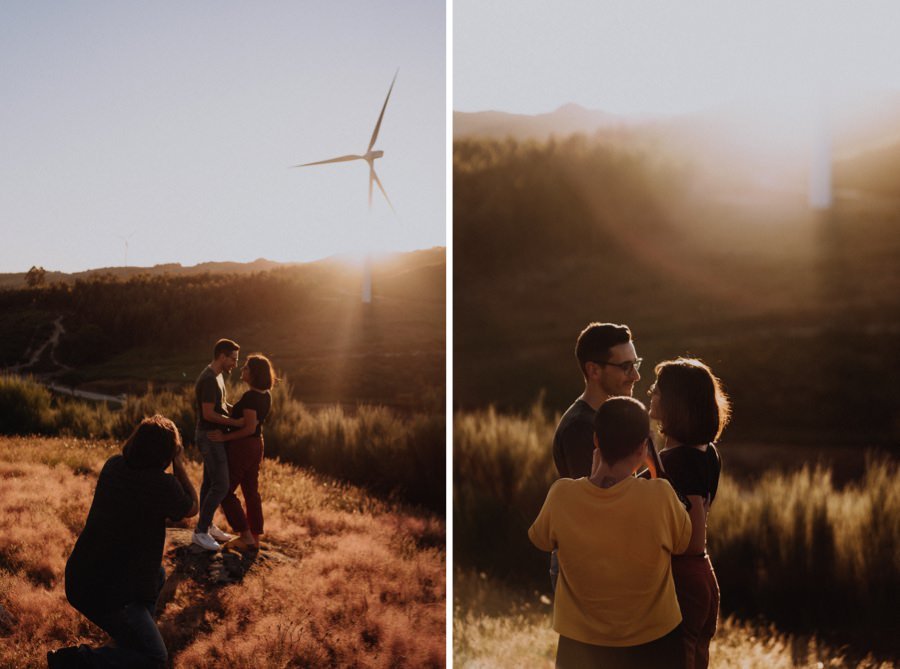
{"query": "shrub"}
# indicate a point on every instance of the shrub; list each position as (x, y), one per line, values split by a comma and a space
(24, 406)
(394, 455)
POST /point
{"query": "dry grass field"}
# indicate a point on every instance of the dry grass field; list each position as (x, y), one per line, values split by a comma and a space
(495, 628)
(363, 584)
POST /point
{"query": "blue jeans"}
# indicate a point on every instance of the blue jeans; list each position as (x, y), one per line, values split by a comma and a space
(214, 487)
(138, 643)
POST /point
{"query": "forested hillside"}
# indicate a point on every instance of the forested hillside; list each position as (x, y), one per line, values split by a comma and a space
(796, 310)
(119, 334)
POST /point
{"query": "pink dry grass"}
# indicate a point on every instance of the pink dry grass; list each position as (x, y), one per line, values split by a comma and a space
(361, 583)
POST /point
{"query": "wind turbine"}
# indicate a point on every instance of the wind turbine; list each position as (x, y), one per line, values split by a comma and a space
(369, 156)
(125, 239)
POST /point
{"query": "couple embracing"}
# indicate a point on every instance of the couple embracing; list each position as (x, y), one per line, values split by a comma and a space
(633, 585)
(231, 458)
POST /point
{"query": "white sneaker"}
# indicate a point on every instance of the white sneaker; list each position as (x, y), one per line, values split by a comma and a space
(219, 535)
(205, 541)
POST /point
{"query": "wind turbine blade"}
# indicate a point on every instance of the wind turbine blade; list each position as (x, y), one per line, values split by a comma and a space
(340, 159)
(372, 175)
(381, 115)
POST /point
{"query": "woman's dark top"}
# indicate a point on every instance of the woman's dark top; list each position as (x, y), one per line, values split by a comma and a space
(117, 557)
(259, 401)
(693, 472)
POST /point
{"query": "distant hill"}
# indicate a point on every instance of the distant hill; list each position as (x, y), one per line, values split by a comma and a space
(17, 279)
(737, 148)
(567, 120)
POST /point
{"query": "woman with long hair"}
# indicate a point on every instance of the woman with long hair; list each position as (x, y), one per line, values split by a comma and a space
(692, 410)
(245, 449)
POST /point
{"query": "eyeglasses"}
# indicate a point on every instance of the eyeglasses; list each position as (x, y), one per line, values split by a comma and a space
(626, 366)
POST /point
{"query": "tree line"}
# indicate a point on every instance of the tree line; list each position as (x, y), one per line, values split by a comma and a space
(104, 315)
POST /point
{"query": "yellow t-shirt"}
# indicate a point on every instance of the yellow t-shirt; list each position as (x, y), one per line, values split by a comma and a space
(615, 571)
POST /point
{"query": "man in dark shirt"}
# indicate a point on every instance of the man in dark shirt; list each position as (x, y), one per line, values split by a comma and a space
(609, 365)
(212, 414)
(114, 574)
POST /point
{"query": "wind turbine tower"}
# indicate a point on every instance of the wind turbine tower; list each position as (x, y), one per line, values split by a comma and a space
(370, 156)
(820, 193)
(125, 239)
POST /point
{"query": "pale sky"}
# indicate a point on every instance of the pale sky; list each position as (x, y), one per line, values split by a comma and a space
(173, 124)
(663, 57)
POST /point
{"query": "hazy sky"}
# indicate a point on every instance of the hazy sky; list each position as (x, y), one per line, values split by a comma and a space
(628, 56)
(173, 124)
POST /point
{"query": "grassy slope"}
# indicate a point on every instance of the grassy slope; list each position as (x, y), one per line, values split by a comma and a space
(365, 586)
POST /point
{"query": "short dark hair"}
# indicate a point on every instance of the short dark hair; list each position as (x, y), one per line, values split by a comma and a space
(693, 407)
(262, 375)
(596, 339)
(152, 444)
(225, 347)
(621, 425)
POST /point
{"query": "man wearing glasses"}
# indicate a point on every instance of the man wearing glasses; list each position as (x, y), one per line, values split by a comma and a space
(212, 414)
(610, 365)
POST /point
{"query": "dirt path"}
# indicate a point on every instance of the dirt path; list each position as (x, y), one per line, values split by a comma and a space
(35, 356)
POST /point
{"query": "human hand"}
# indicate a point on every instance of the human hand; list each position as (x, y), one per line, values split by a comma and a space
(216, 436)
(178, 459)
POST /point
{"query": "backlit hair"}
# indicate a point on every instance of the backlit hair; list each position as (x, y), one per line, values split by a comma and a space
(694, 408)
(262, 375)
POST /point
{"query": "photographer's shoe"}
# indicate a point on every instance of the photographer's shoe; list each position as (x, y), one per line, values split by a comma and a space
(205, 541)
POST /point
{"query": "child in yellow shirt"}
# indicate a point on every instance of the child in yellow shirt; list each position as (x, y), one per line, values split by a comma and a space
(615, 602)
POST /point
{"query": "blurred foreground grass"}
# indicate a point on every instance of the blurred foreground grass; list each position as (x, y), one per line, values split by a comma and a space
(495, 627)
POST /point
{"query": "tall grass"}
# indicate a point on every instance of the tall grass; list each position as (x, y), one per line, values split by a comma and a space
(502, 469)
(790, 547)
(495, 627)
(817, 556)
(393, 454)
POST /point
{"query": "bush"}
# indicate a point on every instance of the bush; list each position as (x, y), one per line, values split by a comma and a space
(391, 454)
(502, 469)
(24, 406)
